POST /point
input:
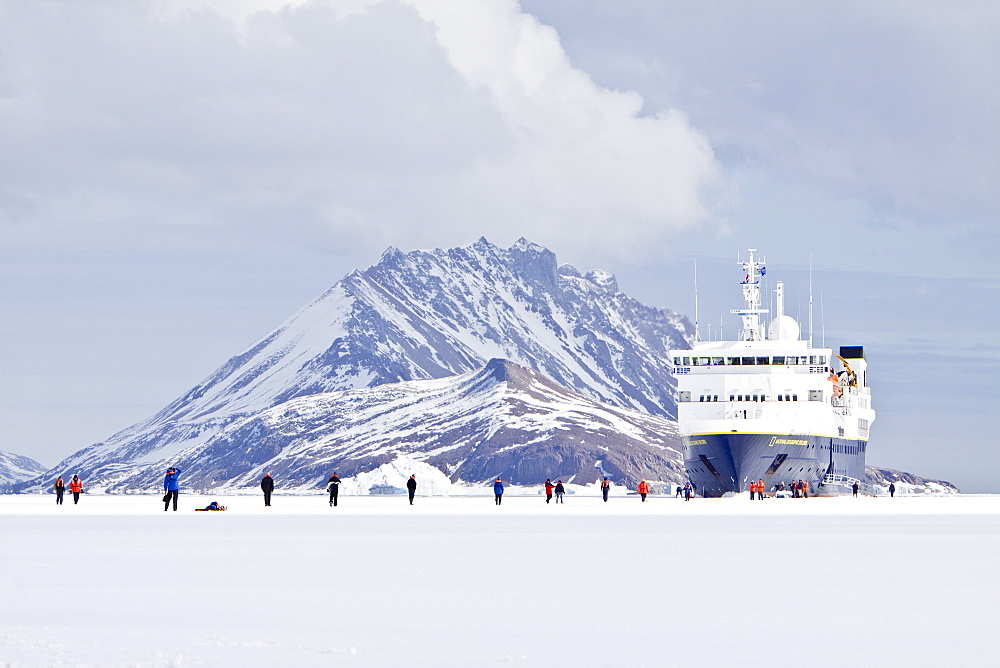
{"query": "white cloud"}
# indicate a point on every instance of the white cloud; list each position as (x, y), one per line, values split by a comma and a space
(355, 125)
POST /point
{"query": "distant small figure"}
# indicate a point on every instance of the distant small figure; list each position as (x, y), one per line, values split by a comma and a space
(548, 490)
(411, 487)
(172, 487)
(498, 490)
(796, 489)
(892, 490)
(212, 506)
(76, 486)
(687, 491)
(267, 486)
(605, 488)
(854, 489)
(60, 487)
(760, 490)
(679, 492)
(333, 486)
(643, 490)
(805, 489)
(753, 489)
(560, 490)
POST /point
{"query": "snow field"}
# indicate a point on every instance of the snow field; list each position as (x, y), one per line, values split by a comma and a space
(457, 581)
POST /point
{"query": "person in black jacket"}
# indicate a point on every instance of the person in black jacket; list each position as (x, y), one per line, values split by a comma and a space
(411, 487)
(560, 490)
(333, 486)
(267, 486)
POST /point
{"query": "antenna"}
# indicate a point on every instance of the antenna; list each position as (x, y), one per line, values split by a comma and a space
(810, 300)
(696, 300)
(822, 318)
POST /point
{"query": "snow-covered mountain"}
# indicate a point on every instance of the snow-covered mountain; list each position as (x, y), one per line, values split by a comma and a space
(907, 483)
(424, 315)
(17, 468)
(503, 420)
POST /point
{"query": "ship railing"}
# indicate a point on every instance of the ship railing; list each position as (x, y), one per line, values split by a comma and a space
(846, 481)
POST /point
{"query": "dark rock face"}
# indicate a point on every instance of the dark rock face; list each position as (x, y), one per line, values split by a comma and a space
(424, 315)
(503, 420)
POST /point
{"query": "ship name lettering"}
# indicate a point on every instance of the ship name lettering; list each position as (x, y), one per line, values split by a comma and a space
(787, 441)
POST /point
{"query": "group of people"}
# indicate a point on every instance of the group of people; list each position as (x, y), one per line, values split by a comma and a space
(171, 489)
(799, 489)
(687, 491)
(75, 487)
(559, 491)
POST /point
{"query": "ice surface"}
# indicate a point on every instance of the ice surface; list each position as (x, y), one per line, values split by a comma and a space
(458, 581)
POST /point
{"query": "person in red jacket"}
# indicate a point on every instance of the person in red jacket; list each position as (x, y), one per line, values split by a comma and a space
(753, 488)
(548, 490)
(76, 486)
(760, 489)
(643, 490)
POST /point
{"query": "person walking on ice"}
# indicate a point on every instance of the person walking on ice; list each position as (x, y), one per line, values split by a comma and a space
(411, 487)
(892, 490)
(172, 487)
(643, 490)
(498, 491)
(76, 486)
(560, 490)
(548, 490)
(333, 486)
(605, 488)
(60, 487)
(267, 486)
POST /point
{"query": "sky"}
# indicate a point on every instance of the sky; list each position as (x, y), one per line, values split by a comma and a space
(177, 178)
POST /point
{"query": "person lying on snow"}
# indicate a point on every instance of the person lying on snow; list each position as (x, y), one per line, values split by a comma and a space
(212, 506)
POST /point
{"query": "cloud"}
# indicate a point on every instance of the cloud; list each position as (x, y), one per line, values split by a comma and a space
(351, 125)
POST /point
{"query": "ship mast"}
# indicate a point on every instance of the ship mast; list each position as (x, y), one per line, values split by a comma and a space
(753, 270)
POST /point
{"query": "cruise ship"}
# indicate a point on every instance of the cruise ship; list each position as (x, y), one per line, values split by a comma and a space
(770, 407)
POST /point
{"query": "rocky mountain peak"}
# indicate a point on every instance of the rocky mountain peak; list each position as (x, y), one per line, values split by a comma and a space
(430, 314)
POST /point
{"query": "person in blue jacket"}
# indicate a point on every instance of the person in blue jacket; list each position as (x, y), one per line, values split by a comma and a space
(498, 490)
(172, 486)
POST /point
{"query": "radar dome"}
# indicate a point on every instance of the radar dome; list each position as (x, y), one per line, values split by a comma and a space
(784, 328)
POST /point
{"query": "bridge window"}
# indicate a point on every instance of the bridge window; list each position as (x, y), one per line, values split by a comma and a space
(795, 397)
(792, 360)
(718, 361)
(763, 360)
(748, 361)
(733, 361)
(778, 359)
(687, 361)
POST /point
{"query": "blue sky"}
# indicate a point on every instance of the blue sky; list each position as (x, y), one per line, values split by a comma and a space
(179, 177)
